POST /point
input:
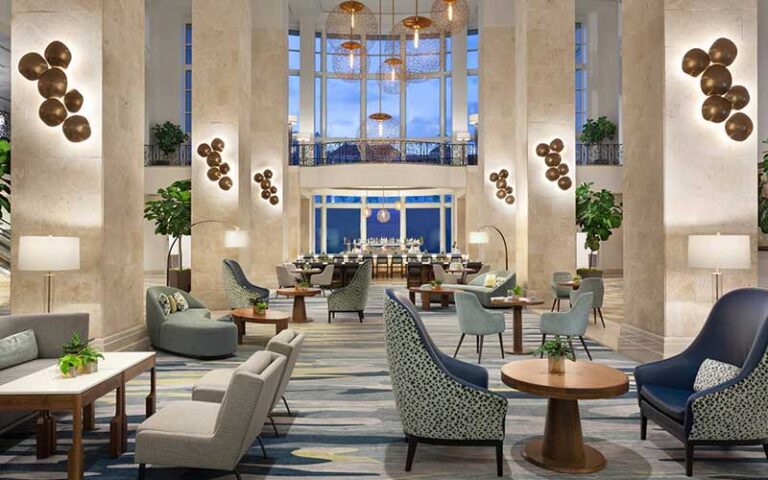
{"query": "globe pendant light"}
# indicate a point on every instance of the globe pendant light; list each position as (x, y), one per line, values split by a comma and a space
(383, 215)
(450, 15)
(345, 27)
(393, 61)
(416, 23)
(380, 124)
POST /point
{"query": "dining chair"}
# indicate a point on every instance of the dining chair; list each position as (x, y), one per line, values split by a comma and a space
(572, 323)
(560, 292)
(596, 287)
(476, 320)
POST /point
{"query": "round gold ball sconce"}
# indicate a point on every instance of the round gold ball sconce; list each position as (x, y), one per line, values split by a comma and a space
(557, 170)
(268, 191)
(218, 170)
(723, 98)
(500, 181)
(52, 83)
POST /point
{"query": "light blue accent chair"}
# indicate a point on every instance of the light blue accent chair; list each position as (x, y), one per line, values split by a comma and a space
(572, 323)
(476, 320)
(596, 287)
(558, 292)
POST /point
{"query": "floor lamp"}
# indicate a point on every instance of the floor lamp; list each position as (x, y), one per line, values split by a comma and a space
(234, 238)
(719, 252)
(48, 254)
(479, 238)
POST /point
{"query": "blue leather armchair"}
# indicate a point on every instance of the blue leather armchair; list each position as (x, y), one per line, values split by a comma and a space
(441, 400)
(732, 413)
(240, 292)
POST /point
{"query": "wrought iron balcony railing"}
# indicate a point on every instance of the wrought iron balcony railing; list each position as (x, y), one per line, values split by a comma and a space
(600, 154)
(383, 151)
(154, 157)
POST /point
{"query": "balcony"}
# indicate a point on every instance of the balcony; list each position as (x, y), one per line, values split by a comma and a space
(378, 151)
(611, 154)
(154, 157)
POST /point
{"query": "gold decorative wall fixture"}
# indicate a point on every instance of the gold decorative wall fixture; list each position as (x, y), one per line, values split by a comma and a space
(503, 189)
(557, 171)
(218, 169)
(268, 191)
(716, 82)
(48, 72)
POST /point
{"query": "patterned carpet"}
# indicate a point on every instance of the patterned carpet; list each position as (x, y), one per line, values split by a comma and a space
(345, 425)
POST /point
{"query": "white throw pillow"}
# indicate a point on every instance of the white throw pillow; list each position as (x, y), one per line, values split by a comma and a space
(712, 373)
(165, 303)
(500, 281)
(490, 280)
(181, 302)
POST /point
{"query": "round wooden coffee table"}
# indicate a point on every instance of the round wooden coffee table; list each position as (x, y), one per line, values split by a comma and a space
(517, 305)
(241, 316)
(299, 308)
(562, 449)
(570, 284)
(428, 293)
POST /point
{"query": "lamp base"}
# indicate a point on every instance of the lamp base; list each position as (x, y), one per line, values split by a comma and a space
(717, 284)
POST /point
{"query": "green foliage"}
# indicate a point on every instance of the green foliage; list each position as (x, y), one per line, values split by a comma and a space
(261, 305)
(5, 176)
(597, 214)
(169, 136)
(89, 355)
(517, 291)
(172, 212)
(557, 349)
(595, 131)
(762, 192)
(70, 362)
(75, 344)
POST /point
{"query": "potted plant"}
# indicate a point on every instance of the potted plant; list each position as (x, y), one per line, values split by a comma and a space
(172, 214)
(557, 351)
(762, 195)
(169, 136)
(260, 307)
(78, 357)
(436, 284)
(89, 359)
(597, 215)
(74, 345)
(5, 176)
(70, 365)
(577, 281)
(302, 285)
(516, 292)
(594, 133)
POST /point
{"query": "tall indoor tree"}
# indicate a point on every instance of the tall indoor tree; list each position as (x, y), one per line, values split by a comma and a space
(597, 214)
(172, 214)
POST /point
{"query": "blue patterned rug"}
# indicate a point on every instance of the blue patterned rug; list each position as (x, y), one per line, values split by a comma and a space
(345, 425)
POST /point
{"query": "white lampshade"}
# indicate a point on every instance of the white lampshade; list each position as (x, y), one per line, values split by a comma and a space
(719, 251)
(478, 237)
(235, 238)
(44, 254)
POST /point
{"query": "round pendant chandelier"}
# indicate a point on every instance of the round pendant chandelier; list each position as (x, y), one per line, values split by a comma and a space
(450, 15)
(416, 23)
(379, 123)
(383, 215)
(345, 28)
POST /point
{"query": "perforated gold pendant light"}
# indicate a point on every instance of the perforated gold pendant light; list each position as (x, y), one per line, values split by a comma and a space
(416, 23)
(450, 15)
(381, 124)
(345, 28)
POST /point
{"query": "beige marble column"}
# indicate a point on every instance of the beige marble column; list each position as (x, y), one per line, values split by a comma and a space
(92, 189)
(544, 73)
(221, 73)
(682, 174)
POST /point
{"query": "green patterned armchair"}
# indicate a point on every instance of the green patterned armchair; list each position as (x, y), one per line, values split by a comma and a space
(354, 296)
(240, 292)
(441, 400)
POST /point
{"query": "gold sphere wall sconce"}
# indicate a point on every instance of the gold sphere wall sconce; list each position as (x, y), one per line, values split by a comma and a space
(503, 189)
(557, 171)
(48, 71)
(217, 168)
(268, 191)
(723, 98)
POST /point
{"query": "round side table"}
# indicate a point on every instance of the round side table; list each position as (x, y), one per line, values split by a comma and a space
(299, 308)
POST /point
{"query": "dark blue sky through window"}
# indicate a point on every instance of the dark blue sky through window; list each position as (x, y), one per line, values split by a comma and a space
(424, 222)
(341, 223)
(391, 229)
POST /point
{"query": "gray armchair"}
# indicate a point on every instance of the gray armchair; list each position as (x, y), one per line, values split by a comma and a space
(484, 294)
(596, 287)
(354, 296)
(323, 280)
(443, 277)
(240, 292)
(190, 333)
(472, 276)
(572, 323)
(477, 321)
(285, 279)
(558, 292)
(209, 435)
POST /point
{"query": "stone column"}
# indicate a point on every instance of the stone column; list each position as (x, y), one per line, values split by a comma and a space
(93, 189)
(221, 36)
(682, 174)
(544, 70)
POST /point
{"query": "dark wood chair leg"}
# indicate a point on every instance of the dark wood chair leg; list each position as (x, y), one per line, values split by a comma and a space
(554, 302)
(600, 311)
(274, 426)
(643, 427)
(261, 444)
(329, 317)
(765, 449)
(689, 459)
(237, 473)
(477, 343)
(285, 402)
(480, 351)
(558, 304)
(461, 339)
(589, 355)
(500, 459)
(501, 345)
(570, 344)
(543, 339)
(142, 471)
(411, 453)
(361, 316)
(594, 312)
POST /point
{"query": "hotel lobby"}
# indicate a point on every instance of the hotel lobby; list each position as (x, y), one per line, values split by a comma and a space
(258, 239)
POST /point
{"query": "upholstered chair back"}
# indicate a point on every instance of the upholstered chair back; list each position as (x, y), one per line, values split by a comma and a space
(247, 402)
(572, 323)
(284, 277)
(596, 287)
(155, 316)
(325, 277)
(481, 271)
(557, 290)
(287, 343)
(234, 280)
(439, 272)
(473, 318)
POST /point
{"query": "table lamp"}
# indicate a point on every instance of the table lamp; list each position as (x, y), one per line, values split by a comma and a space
(719, 252)
(48, 254)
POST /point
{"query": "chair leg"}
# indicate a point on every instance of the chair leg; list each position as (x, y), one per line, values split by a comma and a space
(570, 344)
(461, 339)
(594, 312)
(477, 344)
(237, 473)
(543, 339)
(261, 444)
(554, 302)
(501, 346)
(274, 426)
(142, 471)
(285, 402)
(643, 427)
(589, 355)
(688, 459)
(329, 317)
(601, 316)
(361, 316)
(411, 453)
(480, 352)
(765, 449)
(500, 459)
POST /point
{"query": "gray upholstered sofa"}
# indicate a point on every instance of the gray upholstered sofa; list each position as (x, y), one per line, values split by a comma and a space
(51, 331)
(191, 333)
(484, 294)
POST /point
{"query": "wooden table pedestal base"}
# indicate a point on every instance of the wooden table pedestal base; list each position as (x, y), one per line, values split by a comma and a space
(562, 449)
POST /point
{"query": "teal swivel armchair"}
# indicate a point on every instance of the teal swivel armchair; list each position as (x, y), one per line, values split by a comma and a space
(476, 320)
(572, 323)
(558, 292)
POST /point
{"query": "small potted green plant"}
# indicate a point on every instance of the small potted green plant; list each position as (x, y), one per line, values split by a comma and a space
(169, 136)
(260, 307)
(436, 284)
(516, 292)
(576, 282)
(557, 351)
(89, 359)
(78, 357)
(74, 345)
(70, 365)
